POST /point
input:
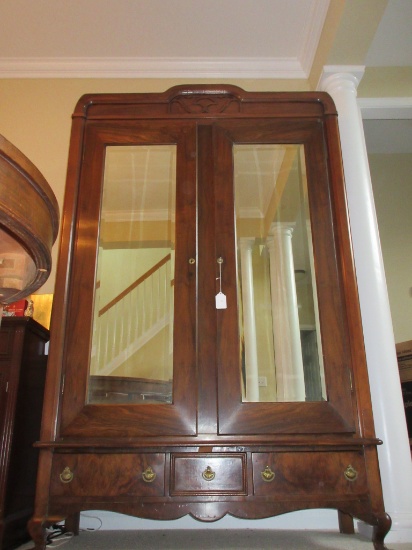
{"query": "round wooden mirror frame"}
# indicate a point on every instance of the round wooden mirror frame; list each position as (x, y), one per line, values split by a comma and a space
(29, 223)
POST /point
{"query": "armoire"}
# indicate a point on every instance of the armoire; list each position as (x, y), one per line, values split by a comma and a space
(206, 352)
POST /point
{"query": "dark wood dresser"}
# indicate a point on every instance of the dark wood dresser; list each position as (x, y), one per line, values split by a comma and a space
(22, 374)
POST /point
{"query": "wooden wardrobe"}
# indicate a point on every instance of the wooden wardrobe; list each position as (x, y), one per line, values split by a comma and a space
(206, 352)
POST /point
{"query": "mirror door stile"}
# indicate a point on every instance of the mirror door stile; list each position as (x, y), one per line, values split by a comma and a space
(206, 312)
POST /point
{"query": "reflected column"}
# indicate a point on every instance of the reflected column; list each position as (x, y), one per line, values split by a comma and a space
(249, 319)
(286, 331)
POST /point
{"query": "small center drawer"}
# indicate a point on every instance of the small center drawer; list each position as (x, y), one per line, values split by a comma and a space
(96, 475)
(208, 474)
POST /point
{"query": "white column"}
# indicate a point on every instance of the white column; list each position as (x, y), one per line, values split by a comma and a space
(394, 455)
(286, 332)
(249, 320)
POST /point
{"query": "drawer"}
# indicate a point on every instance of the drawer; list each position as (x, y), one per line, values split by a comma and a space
(108, 475)
(309, 473)
(208, 474)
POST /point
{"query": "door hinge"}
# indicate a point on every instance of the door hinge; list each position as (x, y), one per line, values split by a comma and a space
(63, 380)
(350, 380)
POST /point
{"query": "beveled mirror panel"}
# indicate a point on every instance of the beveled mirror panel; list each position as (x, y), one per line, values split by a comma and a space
(132, 340)
(281, 352)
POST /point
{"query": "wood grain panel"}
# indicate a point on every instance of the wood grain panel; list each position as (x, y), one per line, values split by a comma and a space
(309, 474)
(108, 475)
(192, 474)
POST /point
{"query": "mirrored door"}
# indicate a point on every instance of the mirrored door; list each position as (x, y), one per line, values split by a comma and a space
(136, 234)
(281, 351)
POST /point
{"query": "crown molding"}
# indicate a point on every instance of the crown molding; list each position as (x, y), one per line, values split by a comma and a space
(250, 212)
(152, 215)
(385, 108)
(126, 67)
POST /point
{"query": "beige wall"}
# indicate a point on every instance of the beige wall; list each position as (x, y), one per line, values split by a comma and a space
(386, 82)
(392, 186)
(120, 268)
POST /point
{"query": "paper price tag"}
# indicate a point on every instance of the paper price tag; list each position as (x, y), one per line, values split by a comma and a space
(221, 301)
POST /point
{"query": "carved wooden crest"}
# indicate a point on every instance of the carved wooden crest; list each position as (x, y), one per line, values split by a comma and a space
(200, 104)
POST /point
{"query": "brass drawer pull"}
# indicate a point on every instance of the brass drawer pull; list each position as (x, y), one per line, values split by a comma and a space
(67, 475)
(208, 474)
(350, 473)
(267, 474)
(149, 475)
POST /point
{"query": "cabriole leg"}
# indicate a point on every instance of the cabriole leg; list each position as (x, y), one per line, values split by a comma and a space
(37, 530)
(380, 530)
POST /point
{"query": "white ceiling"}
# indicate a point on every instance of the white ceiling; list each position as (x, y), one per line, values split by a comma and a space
(189, 38)
(180, 38)
(158, 28)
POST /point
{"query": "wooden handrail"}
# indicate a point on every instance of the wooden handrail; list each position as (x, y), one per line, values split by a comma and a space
(138, 281)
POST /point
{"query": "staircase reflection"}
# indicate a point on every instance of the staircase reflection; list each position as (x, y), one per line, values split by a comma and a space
(131, 332)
